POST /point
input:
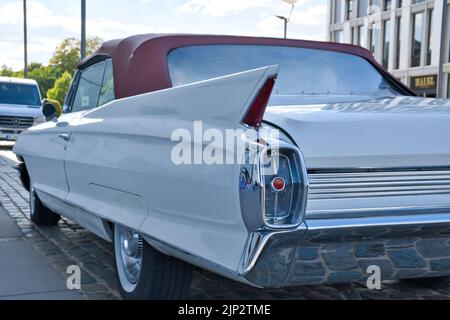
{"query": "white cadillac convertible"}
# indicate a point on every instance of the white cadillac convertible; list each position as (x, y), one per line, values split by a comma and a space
(348, 173)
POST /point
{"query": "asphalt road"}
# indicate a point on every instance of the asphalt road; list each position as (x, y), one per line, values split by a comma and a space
(68, 244)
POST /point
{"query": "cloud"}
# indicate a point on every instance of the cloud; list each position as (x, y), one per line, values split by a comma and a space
(308, 24)
(217, 8)
(11, 50)
(39, 16)
(52, 28)
(49, 25)
(308, 20)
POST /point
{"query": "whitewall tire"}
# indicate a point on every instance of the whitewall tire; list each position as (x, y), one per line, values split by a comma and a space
(144, 273)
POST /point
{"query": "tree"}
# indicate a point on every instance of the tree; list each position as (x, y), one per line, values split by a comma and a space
(64, 60)
(5, 71)
(44, 75)
(60, 89)
(67, 54)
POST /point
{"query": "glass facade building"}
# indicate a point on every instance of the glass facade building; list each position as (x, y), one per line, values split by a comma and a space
(410, 38)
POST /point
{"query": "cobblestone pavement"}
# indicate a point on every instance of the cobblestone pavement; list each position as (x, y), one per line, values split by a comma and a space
(68, 244)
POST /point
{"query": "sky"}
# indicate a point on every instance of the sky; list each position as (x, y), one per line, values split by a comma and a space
(50, 21)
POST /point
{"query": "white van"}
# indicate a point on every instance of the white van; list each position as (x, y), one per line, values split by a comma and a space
(20, 106)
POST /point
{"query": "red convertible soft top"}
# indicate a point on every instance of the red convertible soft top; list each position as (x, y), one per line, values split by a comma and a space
(140, 62)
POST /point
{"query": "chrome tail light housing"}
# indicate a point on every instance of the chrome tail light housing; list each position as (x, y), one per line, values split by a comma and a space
(273, 186)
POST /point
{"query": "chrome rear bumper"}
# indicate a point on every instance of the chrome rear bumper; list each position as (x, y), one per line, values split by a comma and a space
(341, 250)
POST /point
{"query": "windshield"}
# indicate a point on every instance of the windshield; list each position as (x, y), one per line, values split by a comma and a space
(303, 72)
(19, 94)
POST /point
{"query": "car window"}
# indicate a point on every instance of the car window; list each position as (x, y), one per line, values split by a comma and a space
(302, 71)
(107, 91)
(19, 94)
(71, 93)
(89, 87)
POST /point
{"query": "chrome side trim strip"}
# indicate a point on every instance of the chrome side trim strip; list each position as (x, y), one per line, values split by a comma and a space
(393, 221)
(373, 212)
(402, 193)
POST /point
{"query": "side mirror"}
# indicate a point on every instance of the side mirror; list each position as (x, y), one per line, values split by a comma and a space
(49, 110)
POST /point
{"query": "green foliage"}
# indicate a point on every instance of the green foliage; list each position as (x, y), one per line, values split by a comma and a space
(64, 60)
(6, 72)
(44, 75)
(67, 54)
(59, 90)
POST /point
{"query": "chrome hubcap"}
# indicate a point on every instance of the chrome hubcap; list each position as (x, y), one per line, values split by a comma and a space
(131, 245)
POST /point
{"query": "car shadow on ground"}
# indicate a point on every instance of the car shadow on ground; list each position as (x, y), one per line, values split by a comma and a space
(6, 146)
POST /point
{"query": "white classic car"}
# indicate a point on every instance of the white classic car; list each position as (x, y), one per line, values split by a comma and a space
(348, 172)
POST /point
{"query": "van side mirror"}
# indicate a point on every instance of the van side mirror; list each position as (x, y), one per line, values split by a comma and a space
(49, 110)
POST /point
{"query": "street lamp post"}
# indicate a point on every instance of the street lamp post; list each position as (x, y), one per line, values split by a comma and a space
(25, 40)
(440, 84)
(286, 20)
(83, 29)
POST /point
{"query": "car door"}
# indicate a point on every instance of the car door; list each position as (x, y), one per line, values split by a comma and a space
(97, 157)
(43, 150)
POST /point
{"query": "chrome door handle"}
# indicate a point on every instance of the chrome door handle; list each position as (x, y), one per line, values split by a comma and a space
(64, 136)
(62, 124)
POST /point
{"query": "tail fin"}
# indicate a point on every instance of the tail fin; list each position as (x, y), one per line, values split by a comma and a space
(227, 101)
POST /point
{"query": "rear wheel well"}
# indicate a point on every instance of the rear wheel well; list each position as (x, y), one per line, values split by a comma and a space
(24, 175)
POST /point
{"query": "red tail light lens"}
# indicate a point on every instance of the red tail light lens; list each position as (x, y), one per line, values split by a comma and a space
(278, 184)
(255, 114)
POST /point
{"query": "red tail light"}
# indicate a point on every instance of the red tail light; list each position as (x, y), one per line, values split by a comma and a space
(255, 114)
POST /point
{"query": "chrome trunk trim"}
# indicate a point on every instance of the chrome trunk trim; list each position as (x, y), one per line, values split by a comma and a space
(378, 183)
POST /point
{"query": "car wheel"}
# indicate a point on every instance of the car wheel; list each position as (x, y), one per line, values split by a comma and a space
(39, 214)
(430, 283)
(144, 273)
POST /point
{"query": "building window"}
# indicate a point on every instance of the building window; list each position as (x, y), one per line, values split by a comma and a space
(362, 8)
(399, 42)
(430, 37)
(387, 5)
(337, 11)
(352, 35)
(350, 8)
(448, 31)
(416, 50)
(375, 2)
(375, 6)
(361, 36)
(339, 36)
(399, 4)
(386, 42)
(417, 1)
(373, 39)
(448, 86)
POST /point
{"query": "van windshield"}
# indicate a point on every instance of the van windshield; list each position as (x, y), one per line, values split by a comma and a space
(19, 94)
(303, 72)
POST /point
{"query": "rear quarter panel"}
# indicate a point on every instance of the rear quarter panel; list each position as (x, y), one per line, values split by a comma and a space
(120, 155)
